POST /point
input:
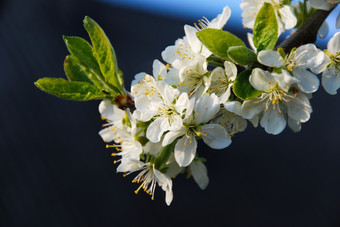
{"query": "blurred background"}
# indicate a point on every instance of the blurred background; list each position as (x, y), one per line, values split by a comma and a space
(56, 171)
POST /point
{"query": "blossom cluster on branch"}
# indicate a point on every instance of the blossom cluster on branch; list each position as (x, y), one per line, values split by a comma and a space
(208, 88)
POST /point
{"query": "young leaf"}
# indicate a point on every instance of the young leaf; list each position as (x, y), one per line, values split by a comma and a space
(241, 55)
(266, 28)
(218, 41)
(72, 90)
(76, 71)
(104, 53)
(83, 52)
(242, 87)
(163, 157)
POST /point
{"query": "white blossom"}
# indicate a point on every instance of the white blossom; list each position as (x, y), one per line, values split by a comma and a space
(331, 67)
(276, 102)
(196, 126)
(190, 49)
(297, 62)
(148, 178)
(122, 133)
(222, 80)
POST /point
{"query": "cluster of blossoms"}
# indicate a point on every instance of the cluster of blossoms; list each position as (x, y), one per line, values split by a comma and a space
(208, 88)
(183, 101)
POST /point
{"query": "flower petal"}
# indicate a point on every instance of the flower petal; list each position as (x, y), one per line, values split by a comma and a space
(193, 41)
(107, 134)
(215, 136)
(294, 125)
(166, 184)
(230, 70)
(331, 80)
(200, 174)
(221, 19)
(323, 30)
(171, 136)
(156, 129)
(273, 121)
(251, 108)
(308, 82)
(206, 108)
(261, 80)
(159, 70)
(333, 45)
(270, 58)
(287, 17)
(299, 108)
(185, 150)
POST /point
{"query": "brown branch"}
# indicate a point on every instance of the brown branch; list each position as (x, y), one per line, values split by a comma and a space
(307, 33)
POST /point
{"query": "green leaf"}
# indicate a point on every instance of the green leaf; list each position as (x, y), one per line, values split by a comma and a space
(218, 41)
(82, 51)
(242, 87)
(104, 53)
(163, 157)
(241, 55)
(76, 71)
(72, 90)
(266, 28)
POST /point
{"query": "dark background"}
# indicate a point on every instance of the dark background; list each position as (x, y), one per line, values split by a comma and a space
(55, 170)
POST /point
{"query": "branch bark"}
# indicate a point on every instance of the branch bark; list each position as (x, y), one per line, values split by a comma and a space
(307, 33)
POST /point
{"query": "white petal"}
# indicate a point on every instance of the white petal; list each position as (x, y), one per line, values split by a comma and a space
(193, 41)
(285, 80)
(215, 136)
(221, 19)
(299, 108)
(130, 165)
(250, 41)
(185, 150)
(251, 108)
(308, 56)
(141, 116)
(182, 103)
(308, 82)
(176, 123)
(323, 30)
(331, 80)
(234, 107)
(322, 67)
(230, 70)
(138, 77)
(261, 80)
(287, 17)
(110, 111)
(333, 45)
(225, 96)
(156, 129)
(273, 122)
(294, 125)
(168, 93)
(107, 134)
(206, 108)
(159, 70)
(171, 136)
(270, 58)
(166, 184)
(200, 174)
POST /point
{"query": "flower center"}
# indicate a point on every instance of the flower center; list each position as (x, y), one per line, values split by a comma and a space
(148, 181)
(274, 96)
